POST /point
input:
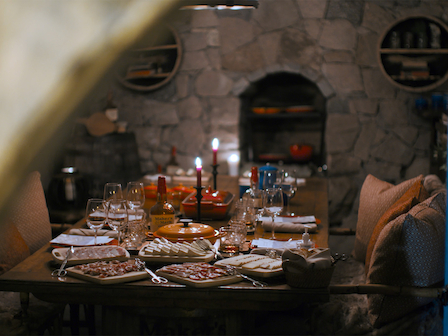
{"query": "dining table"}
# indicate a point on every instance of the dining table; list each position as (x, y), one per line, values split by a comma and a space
(33, 275)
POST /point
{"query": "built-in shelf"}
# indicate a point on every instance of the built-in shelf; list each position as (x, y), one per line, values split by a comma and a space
(153, 62)
(412, 68)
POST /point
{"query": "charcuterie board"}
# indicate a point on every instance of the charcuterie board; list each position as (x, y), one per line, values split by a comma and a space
(108, 272)
(241, 263)
(90, 254)
(128, 277)
(221, 281)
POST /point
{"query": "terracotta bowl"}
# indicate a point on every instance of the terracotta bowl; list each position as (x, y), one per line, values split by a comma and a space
(301, 153)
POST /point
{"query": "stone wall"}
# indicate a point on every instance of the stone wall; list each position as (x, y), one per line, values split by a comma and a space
(371, 126)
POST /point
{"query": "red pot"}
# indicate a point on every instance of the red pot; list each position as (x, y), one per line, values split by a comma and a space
(302, 153)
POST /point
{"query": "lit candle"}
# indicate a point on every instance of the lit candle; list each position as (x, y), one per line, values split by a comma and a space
(233, 161)
(198, 170)
(215, 145)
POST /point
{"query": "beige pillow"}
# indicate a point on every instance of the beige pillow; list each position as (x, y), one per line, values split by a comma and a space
(13, 248)
(376, 197)
(29, 213)
(433, 184)
(409, 252)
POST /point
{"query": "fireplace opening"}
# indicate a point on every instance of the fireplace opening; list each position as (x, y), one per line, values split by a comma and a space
(277, 112)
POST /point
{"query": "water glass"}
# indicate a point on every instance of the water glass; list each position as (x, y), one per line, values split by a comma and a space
(232, 237)
(136, 229)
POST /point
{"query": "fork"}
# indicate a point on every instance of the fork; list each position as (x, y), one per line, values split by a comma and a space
(209, 247)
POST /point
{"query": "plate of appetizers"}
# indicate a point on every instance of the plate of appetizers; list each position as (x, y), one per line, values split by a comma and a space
(198, 274)
(256, 265)
(108, 272)
(165, 251)
(88, 254)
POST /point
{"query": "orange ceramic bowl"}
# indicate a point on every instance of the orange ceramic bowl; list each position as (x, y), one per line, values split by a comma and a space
(301, 153)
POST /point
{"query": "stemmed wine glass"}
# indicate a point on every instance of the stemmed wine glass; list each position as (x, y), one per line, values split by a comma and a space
(117, 217)
(273, 204)
(289, 186)
(135, 195)
(96, 214)
(112, 192)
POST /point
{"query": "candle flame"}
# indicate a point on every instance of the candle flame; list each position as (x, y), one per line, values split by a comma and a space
(198, 162)
(215, 144)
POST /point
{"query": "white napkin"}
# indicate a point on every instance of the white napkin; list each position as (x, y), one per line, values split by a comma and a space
(290, 224)
(76, 240)
(89, 232)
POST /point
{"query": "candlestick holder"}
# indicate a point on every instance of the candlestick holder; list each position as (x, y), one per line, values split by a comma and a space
(198, 199)
(214, 172)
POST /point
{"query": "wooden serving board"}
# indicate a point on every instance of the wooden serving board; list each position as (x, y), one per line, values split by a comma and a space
(128, 277)
(172, 258)
(224, 280)
(59, 255)
(255, 272)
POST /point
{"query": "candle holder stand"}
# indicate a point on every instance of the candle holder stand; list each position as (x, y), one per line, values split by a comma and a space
(214, 172)
(198, 199)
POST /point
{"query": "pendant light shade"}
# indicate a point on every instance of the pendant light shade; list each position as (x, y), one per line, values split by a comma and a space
(218, 4)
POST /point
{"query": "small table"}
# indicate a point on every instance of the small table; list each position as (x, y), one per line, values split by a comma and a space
(34, 275)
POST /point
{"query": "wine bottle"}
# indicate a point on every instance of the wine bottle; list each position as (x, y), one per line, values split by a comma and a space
(172, 165)
(161, 213)
(254, 192)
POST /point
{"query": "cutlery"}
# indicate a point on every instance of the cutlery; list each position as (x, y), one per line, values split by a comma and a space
(208, 247)
(155, 278)
(61, 271)
(233, 271)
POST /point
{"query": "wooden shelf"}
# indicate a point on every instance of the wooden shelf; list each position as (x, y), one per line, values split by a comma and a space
(153, 62)
(392, 60)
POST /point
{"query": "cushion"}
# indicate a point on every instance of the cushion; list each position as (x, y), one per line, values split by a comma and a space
(29, 213)
(376, 197)
(414, 195)
(433, 184)
(409, 252)
(13, 248)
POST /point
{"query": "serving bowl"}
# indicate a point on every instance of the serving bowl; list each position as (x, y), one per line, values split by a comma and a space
(301, 152)
(186, 231)
(215, 204)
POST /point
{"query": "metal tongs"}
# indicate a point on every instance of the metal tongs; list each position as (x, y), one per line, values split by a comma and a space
(155, 278)
(233, 271)
(61, 272)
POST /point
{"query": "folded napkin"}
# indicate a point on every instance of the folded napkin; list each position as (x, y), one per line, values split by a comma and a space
(89, 232)
(290, 224)
(319, 260)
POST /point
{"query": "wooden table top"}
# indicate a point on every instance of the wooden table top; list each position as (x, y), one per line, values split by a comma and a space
(34, 273)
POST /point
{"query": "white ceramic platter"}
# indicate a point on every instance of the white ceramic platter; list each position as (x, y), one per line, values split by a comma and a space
(59, 254)
(155, 258)
(256, 272)
(128, 277)
(221, 281)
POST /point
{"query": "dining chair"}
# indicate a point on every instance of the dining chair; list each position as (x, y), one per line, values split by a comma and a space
(25, 229)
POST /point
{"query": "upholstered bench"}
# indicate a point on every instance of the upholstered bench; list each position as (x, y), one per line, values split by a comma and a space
(400, 242)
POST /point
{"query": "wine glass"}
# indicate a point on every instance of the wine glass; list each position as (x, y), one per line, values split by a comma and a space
(135, 195)
(117, 217)
(112, 192)
(273, 204)
(289, 186)
(96, 214)
(269, 179)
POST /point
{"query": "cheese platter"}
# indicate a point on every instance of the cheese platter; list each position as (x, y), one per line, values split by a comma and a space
(256, 265)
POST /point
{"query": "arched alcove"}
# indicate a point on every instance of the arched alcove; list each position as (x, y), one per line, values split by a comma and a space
(277, 111)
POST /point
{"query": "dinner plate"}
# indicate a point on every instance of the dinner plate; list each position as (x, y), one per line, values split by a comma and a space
(221, 281)
(59, 254)
(128, 277)
(256, 272)
(143, 255)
